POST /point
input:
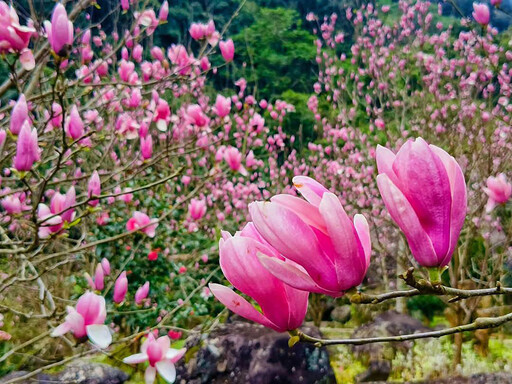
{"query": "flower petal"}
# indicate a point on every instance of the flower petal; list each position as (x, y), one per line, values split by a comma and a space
(167, 370)
(240, 306)
(349, 259)
(363, 232)
(306, 211)
(175, 354)
(459, 198)
(404, 215)
(99, 334)
(136, 358)
(311, 189)
(294, 239)
(150, 375)
(61, 330)
(425, 184)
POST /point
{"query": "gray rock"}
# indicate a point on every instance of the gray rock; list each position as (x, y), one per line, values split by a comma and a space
(341, 314)
(246, 353)
(378, 370)
(479, 378)
(390, 323)
(77, 373)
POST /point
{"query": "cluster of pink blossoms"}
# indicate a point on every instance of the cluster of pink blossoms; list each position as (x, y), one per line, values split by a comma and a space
(293, 246)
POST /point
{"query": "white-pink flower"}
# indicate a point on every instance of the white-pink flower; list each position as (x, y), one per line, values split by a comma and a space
(161, 358)
(87, 320)
(141, 222)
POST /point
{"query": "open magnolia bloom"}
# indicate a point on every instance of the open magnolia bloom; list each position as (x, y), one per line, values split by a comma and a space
(87, 320)
(161, 358)
(424, 191)
(333, 251)
(283, 307)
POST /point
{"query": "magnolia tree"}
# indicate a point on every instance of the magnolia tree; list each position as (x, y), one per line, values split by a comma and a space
(110, 149)
(114, 153)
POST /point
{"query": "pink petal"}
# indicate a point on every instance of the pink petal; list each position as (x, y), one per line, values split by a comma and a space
(459, 198)
(403, 214)
(240, 265)
(363, 231)
(425, 183)
(385, 159)
(61, 330)
(306, 211)
(167, 370)
(293, 238)
(175, 354)
(240, 306)
(291, 275)
(150, 375)
(136, 358)
(349, 260)
(311, 189)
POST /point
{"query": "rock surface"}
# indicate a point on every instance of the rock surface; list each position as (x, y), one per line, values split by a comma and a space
(341, 314)
(479, 378)
(246, 353)
(390, 323)
(77, 373)
(379, 355)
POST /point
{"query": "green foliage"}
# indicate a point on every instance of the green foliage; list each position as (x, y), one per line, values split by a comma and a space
(277, 51)
(301, 122)
(427, 306)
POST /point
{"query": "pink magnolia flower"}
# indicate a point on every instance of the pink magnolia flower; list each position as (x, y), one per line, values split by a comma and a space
(196, 31)
(424, 191)
(234, 159)
(125, 5)
(120, 288)
(141, 222)
(19, 115)
(481, 14)
(164, 11)
(146, 147)
(75, 125)
(62, 204)
(174, 335)
(162, 115)
(222, 106)
(87, 320)
(106, 266)
(148, 19)
(137, 53)
(52, 218)
(499, 191)
(94, 188)
(153, 255)
(283, 308)
(161, 358)
(496, 3)
(142, 293)
(56, 115)
(99, 279)
(197, 208)
(27, 60)
(196, 116)
(27, 148)
(59, 31)
(333, 251)
(227, 49)
(15, 37)
(15, 203)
